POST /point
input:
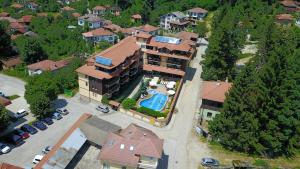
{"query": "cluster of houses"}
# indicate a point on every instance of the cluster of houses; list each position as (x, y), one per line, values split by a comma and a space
(291, 7)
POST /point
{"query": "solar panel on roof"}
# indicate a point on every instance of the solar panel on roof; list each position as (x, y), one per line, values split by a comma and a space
(103, 61)
(165, 39)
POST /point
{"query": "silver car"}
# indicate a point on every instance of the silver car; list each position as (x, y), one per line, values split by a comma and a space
(102, 108)
(4, 148)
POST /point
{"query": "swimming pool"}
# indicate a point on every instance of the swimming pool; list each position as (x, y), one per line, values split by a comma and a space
(156, 102)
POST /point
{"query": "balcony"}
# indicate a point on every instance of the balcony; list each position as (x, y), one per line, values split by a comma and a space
(126, 73)
(114, 89)
(125, 80)
(148, 164)
(113, 82)
(133, 72)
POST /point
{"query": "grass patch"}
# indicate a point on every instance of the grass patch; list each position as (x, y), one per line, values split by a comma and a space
(18, 72)
(245, 55)
(13, 97)
(260, 162)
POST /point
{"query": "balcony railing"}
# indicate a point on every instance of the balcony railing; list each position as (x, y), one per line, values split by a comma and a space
(114, 89)
(113, 82)
(133, 72)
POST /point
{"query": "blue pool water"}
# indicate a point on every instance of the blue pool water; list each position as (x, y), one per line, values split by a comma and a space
(156, 102)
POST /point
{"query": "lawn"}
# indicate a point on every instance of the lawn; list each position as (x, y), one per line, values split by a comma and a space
(18, 72)
(225, 157)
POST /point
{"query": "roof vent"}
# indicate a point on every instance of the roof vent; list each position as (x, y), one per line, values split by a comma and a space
(218, 84)
(122, 146)
(131, 148)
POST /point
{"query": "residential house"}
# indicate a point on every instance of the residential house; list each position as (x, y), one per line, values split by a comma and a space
(136, 17)
(4, 14)
(32, 5)
(115, 10)
(291, 5)
(14, 25)
(107, 72)
(46, 65)
(152, 30)
(76, 14)
(10, 63)
(167, 55)
(17, 7)
(284, 19)
(4, 102)
(174, 21)
(128, 31)
(213, 94)
(8, 166)
(93, 21)
(133, 147)
(99, 10)
(67, 9)
(197, 13)
(100, 34)
(113, 28)
(26, 19)
(188, 36)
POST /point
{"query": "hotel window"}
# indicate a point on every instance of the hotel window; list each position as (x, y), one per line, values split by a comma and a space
(86, 83)
(94, 94)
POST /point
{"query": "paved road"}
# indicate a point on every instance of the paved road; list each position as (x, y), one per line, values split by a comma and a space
(181, 148)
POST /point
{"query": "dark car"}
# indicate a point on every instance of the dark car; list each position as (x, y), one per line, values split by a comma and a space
(47, 120)
(40, 125)
(21, 133)
(63, 111)
(28, 128)
(15, 139)
(209, 162)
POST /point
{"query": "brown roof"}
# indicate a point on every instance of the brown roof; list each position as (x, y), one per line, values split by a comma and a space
(288, 3)
(113, 27)
(9, 19)
(27, 18)
(162, 69)
(135, 141)
(11, 62)
(67, 8)
(18, 26)
(142, 35)
(18, 6)
(99, 8)
(8, 166)
(4, 14)
(4, 102)
(42, 14)
(114, 103)
(97, 32)
(46, 158)
(198, 10)
(214, 90)
(117, 53)
(147, 28)
(48, 65)
(91, 18)
(76, 14)
(136, 16)
(187, 35)
(284, 17)
(128, 30)
(182, 46)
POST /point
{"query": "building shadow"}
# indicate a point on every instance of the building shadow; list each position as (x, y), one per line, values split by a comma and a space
(60, 103)
(163, 162)
(190, 73)
(79, 155)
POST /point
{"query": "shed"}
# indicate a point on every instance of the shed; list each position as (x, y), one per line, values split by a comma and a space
(4, 101)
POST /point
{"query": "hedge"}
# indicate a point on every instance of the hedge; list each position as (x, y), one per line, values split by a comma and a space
(151, 112)
(128, 103)
(105, 99)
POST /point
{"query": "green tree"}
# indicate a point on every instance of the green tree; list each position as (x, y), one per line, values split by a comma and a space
(40, 105)
(4, 119)
(201, 29)
(5, 47)
(31, 50)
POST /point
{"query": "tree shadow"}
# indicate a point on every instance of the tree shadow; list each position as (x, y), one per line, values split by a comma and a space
(163, 161)
(60, 103)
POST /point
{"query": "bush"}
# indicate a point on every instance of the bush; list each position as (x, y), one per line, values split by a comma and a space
(151, 112)
(128, 103)
(105, 99)
(262, 163)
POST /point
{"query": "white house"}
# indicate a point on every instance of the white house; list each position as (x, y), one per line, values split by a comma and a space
(197, 13)
(99, 10)
(99, 35)
(33, 6)
(93, 21)
(173, 20)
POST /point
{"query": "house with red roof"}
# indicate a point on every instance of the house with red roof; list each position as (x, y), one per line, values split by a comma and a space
(213, 94)
(26, 19)
(284, 19)
(99, 10)
(100, 34)
(136, 17)
(197, 13)
(46, 65)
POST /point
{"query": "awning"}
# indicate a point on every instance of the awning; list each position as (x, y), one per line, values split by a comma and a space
(171, 92)
(162, 69)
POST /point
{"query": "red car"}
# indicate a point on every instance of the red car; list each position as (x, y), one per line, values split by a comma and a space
(21, 133)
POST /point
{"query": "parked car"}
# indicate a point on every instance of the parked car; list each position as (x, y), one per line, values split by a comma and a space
(40, 125)
(2, 94)
(37, 159)
(21, 113)
(47, 149)
(56, 116)
(63, 111)
(209, 162)
(47, 120)
(15, 139)
(102, 108)
(21, 133)
(4, 148)
(28, 128)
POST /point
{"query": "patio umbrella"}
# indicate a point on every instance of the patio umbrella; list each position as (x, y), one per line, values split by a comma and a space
(152, 83)
(171, 92)
(170, 86)
(172, 82)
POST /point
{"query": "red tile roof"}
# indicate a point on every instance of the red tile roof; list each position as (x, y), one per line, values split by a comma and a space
(136, 16)
(126, 147)
(18, 27)
(4, 102)
(187, 35)
(76, 14)
(11, 61)
(284, 17)
(67, 8)
(4, 14)
(288, 3)
(97, 32)
(99, 8)
(147, 28)
(18, 6)
(8, 166)
(142, 35)
(182, 46)
(113, 27)
(48, 65)
(215, 91)
(27, 18)
(197, 10)
(151, 68)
